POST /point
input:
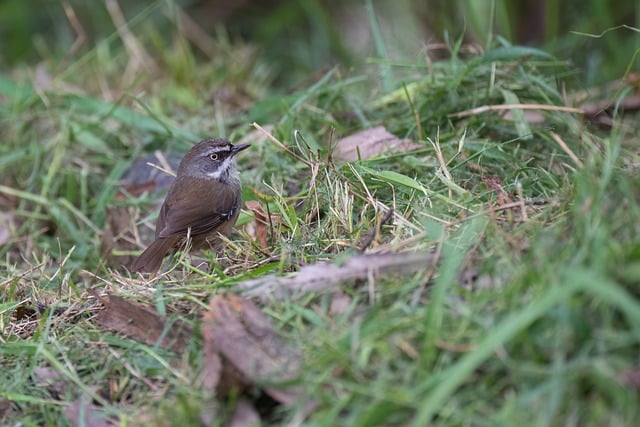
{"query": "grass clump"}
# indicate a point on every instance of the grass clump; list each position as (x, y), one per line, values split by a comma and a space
(530, 315)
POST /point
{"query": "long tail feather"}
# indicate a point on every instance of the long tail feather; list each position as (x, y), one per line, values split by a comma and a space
(150, 260)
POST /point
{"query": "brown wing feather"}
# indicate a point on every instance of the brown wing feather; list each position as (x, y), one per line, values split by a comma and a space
(217, 203)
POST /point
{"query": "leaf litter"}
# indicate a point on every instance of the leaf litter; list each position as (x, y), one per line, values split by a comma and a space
(370, 143)
(241, 349)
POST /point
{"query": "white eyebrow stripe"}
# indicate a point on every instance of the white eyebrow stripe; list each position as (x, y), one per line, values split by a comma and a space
(220, 149)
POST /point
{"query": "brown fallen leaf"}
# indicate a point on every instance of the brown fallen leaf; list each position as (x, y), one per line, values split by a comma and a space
(6, 225)
(142, 324)
(631, 378)
(50, 379)
(238, 335)
(118, 239)
(260, 221)
(601, 112)
(83, 413)
(6, 408)
(339, 303)
(244, 415)
(494, 184)
(142, 176)
(371, 142)
(598, 103)
(325, 276)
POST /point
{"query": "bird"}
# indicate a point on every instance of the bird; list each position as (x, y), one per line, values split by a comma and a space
(203, 202)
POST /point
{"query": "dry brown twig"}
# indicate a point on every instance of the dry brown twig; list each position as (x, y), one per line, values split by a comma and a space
(324, 276)
(280, 144)
(501, 107)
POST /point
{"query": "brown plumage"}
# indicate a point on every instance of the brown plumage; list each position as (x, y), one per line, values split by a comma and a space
(204, 200)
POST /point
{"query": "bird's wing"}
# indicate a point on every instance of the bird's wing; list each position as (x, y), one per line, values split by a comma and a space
(217, 204)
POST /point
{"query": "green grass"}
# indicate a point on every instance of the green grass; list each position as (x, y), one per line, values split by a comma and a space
(543, 332)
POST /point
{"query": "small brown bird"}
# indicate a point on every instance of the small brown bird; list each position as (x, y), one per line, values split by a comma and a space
(204, 200)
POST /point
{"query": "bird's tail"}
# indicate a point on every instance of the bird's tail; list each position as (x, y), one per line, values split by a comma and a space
(150, 260)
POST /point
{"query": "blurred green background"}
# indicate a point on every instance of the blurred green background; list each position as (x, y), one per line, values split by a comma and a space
(298, 37)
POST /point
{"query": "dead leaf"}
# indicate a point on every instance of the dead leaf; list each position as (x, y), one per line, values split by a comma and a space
(5, 408)
(260, 221)
(236, 330)
(140, 176)
(371, 142)
(142, 324)
(118, 238)
(6, 225)
(494, 184)
(629, 103)
(631, 378)
(339, 303)
(244, 415)
(46, 376)
(601, 112)
(212, 371)
(82, 413)
(324, 276)
(599, 102)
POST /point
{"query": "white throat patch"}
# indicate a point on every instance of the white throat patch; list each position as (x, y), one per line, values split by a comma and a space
(223, 168)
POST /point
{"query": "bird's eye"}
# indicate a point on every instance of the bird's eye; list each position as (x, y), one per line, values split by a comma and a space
(214, 156)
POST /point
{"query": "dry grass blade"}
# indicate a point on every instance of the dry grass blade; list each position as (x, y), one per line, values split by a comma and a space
(280, 144)
(566, 149)
(139, 58)
(197, 34)
(81, 35)
(502, 107)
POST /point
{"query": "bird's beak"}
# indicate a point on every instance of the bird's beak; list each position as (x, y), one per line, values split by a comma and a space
(238, 148)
